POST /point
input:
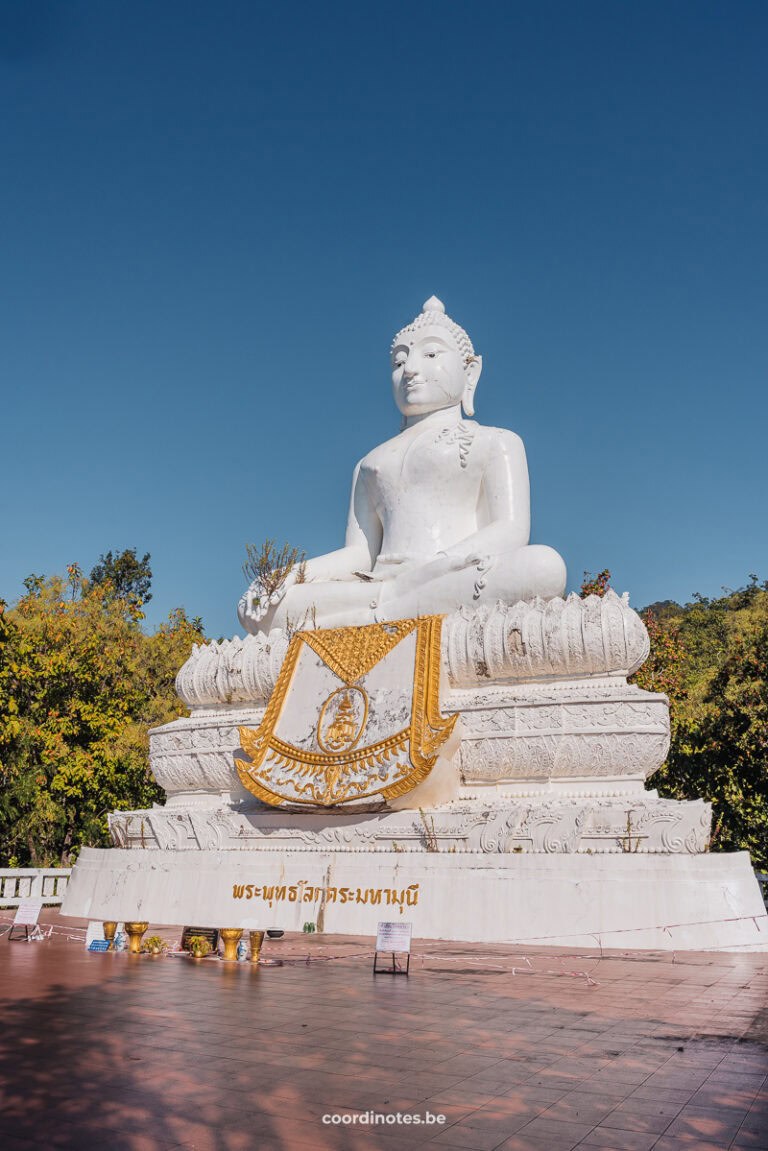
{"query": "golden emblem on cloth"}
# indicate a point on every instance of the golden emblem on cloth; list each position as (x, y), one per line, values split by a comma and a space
(342, 731)
(355, 712)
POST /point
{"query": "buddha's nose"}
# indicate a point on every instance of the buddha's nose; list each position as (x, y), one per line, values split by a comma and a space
(410, 369)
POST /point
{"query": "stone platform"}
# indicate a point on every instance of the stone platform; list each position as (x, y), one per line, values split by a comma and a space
(661, 901)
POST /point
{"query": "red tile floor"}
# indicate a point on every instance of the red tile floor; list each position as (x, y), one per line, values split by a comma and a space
(519, 1051)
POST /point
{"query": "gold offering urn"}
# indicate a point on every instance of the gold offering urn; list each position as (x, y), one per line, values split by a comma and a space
(231, 937)
(135, 931)
(257, 938)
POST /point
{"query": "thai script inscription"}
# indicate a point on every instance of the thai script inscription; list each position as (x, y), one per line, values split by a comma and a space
(305, 892)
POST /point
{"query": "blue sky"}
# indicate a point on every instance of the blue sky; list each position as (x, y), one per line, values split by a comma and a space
(214, 217)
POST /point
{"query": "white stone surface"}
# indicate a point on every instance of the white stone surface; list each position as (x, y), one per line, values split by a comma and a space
(571, 730)
(632, 820)
(626, 901)
(439, 515)
(20, 883)
(512, 735)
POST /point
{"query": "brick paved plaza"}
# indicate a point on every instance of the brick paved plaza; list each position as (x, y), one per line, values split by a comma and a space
(624, 1052)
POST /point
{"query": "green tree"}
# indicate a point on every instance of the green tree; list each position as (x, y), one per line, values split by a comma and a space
(129, 577)
(80, 683)
(710, 657)
(721, 749)
(665, 668)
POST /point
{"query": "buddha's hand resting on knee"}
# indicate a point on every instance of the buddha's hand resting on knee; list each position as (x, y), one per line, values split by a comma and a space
(253, 605)
(256, 602)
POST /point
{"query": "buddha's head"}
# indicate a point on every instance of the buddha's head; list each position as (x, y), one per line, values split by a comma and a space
(434, 364)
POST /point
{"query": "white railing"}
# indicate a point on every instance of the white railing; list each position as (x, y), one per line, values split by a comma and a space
(762, 879)
(46, 883)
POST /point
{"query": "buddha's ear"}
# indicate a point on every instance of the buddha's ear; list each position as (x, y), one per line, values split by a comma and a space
(472, 372)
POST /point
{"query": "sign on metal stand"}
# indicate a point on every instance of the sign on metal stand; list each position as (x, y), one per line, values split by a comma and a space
(27, 914)
(393, 939)
(209, 933)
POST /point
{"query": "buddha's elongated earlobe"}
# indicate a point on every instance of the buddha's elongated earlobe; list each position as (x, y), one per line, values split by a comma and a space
(472, 372)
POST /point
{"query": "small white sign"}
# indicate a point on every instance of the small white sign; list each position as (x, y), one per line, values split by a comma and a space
(28, 912)
(95, 933)
(394, 937)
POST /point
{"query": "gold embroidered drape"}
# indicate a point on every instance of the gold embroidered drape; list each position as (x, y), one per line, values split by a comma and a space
(325, 738)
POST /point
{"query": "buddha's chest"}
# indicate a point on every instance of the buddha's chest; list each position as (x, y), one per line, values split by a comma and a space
(436, 468)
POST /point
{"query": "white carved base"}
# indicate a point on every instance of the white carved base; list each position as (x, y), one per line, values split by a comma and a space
(616, 822)
(511, 735)
(626, 901)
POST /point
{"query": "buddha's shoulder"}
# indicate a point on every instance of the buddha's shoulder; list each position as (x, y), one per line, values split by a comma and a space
(381, 453)
(498, 439)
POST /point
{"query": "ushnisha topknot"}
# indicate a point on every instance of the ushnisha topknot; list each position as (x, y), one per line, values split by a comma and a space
(433, 312)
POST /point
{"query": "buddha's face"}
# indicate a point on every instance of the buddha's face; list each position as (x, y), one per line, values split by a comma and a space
(427, 371)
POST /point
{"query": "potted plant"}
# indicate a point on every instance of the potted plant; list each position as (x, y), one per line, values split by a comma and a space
(155, 945)
(199, 946)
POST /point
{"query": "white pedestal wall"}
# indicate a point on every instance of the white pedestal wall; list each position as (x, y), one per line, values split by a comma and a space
(626, 901)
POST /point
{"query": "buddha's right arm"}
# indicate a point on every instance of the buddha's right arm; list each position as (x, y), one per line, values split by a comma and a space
(363, 539)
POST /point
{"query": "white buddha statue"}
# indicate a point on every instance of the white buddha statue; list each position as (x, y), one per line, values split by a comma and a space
(439, 515)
